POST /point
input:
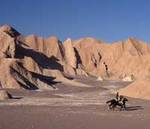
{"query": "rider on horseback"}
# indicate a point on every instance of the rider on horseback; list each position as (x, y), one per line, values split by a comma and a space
(118, 101)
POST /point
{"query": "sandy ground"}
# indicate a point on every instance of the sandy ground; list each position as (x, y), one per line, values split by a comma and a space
(73, 107)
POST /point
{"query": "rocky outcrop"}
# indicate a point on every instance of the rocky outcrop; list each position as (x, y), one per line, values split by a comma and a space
(23, 64)
(40, 61)
(50, 47)
(16, 76)
(10, 31)
(89, 54)
(4, 95)
(7, 45)
(138, 89)
(129, 57)
(70, 56)
(73, 64)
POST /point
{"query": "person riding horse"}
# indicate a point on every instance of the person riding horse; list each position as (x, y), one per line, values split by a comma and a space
(118, 101)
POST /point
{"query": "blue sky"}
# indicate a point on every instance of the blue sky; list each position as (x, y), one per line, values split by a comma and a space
(108, 20)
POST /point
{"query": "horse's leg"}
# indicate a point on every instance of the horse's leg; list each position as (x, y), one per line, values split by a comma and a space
(120, 105)
(124, 106)
(110, 106)
(113, 106)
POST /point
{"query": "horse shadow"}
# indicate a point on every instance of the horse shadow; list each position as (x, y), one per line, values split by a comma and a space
(133, 108)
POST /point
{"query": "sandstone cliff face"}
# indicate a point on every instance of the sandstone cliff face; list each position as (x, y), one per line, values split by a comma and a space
(50, 47)
(9, 30)
(24, 64)
(72, 64)
(70, 56)
(37, 62)
(4, 95)
(89, 54)
(43, 54)
(7, 45)
(132, 60)
(123, 58)
(15, 76)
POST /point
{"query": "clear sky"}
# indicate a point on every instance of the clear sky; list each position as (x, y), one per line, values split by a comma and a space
(108, 20)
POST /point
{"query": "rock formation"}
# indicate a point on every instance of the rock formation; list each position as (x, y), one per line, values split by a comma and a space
(25, 65)
(4, 95)
(32, 62)
(137, 89)
(70, 56)
(129, 57)
(89, 54)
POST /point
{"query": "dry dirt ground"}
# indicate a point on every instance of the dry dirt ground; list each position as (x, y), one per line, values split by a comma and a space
(73, 107)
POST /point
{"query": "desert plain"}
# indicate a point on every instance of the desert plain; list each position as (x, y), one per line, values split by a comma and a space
(73, 107)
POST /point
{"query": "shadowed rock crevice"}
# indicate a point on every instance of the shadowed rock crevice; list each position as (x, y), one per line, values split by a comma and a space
(29, 80)
(61, 48)
(41, 59)
(100, 57)
(27, 87)
(46, 79)
(79, 61)
(27, 84)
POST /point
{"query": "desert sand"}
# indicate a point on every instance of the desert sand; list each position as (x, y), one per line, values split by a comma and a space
(73, 107)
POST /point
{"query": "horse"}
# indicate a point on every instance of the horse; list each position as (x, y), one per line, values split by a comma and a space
(113, 103)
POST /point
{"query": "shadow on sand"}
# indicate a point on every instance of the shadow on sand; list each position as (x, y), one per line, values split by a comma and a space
(16, 97)
(133, 108)
(13, 97)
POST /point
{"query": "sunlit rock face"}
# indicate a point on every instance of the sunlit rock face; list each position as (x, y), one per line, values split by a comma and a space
(29, 62)
(138, 89)
(32, 62)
